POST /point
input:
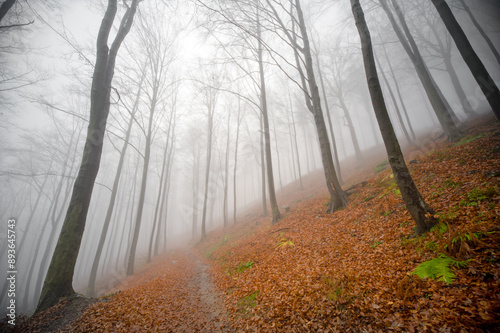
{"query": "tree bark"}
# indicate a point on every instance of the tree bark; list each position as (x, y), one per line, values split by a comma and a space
(5, 7)
(236, 159)
(327, 111)
(395, 103)
(226, 174)
(267, 137)
(482, 76)
(114, 191)
(338, 198)
(439, 106)
(481, 31)
(418, 208)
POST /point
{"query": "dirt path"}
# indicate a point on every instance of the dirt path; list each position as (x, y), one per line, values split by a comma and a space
(173, 294)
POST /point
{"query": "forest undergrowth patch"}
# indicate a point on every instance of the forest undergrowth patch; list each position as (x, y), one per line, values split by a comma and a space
(359, 270)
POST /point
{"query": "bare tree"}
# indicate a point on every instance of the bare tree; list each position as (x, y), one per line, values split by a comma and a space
(304, 64)
(441, 107)
(418, 208)
(482, 76)
(58, 282)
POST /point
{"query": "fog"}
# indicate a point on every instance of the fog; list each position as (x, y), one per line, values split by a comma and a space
(188, 72)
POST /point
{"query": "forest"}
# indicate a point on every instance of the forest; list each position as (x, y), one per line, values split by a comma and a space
(250, 165)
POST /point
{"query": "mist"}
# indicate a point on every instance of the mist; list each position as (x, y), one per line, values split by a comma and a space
(184, 146)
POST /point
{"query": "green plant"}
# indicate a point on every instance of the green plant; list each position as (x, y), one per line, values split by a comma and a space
(374, 244)
(247, 302)
(243, 267)
(470, 138)
(477, 195)
(284, 242)
(451, 183)
(439, 268)
(440, 227)
(432, 246)
(386, 213)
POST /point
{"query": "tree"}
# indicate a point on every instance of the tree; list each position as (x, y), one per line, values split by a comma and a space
(418, 208)
(58, 282)
(481, 30)
(5, 7)
(439, 104)
(157, 46)
(482, 76)
(265, 117)
(211, 94)
(114, 192)
(338, 198)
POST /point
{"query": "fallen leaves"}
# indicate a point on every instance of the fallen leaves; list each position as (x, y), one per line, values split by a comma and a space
(350, 271)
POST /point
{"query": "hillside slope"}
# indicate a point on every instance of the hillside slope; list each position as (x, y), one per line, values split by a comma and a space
(352, 270)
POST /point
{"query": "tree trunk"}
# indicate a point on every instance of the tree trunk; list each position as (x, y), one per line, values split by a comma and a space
(418, 208)
(226, 174)
(263, 168)
(327, 111)
(400, 96)
(161, 193)
(295, 142)
(263, 106)
(236, 159)
(142, 193)
(482, 76)
(338, 198)
(431, 89)
(350, 125)
(395, 103)
(211, 109)
(481, 31)
(5, 7)
(114, 191)
(455, 81)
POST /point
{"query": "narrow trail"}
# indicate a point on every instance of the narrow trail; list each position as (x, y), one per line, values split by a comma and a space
(172, 295)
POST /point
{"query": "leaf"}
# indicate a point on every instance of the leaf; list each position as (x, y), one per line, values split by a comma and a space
(439, 268)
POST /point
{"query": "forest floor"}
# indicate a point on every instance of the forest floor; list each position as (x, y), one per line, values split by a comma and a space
(357, 270)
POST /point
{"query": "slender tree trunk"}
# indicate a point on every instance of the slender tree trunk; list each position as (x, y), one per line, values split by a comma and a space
(114, 191)
(210, 113)
(142, 193)
(481, 31)
(130, 205)
(235, 167)
(263, 168)
(22, 243)
(296, 144)
(350, 125)
(400, 96)
(439, 106)
(395, 103)
(277, 152)
(418, 208)
(196, 172)
(338, 198)
(226, 174)
(482, 76)
(455, 81)
(265, 117)
(166, 189)
(5, 7)
(327, 111)
(161, 191)
(58, 282)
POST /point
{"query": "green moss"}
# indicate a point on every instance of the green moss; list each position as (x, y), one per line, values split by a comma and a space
(470, 138)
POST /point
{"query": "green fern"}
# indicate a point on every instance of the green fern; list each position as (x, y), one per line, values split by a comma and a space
(439, 268)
